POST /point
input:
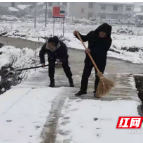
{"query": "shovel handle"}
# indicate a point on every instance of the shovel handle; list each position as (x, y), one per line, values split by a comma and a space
(88, 53)
(31, 68)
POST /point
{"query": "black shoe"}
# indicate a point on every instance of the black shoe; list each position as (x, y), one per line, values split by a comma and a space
(80, 93)
(71, 82)
(52, 83)
(94, 91)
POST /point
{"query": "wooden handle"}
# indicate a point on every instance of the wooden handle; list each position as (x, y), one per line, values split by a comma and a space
(88, 53)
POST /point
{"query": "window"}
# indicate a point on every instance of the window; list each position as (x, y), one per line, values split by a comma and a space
(115, 8)
(90, 15)
(50, 4)
(103, 7)
(91, 5)
(128, 8)
(82, 10)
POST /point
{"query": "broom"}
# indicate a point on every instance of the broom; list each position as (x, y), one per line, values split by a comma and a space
(104, 85)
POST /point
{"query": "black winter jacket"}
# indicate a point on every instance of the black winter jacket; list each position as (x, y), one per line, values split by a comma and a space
(98, 46)
(60, 53)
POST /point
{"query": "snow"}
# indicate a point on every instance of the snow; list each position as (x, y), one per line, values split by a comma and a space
(23, 113)
(24, 108)
(139, 13)
(13, 9)
(131, 38)
(20, 58)
(127, 56)
(95, 121)
(22, 7)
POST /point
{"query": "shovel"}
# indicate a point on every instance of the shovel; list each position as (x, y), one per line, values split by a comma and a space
(31, 68)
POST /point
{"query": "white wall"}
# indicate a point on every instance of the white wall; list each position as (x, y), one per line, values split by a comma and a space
(109, 8)
(75, 9)
(109, 12)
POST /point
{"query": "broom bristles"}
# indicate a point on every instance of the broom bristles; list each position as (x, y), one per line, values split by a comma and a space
(104, 86)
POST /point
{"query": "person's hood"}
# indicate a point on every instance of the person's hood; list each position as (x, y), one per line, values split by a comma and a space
(105, 28)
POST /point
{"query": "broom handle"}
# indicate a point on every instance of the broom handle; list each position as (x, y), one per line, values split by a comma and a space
(88, 53)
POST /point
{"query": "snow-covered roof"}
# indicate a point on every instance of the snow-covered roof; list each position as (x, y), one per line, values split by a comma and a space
(139, 14)
(13, 9)
(22, 7)
(130, 3)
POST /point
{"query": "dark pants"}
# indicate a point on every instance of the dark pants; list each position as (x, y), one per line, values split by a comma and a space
(86, 73)
(65, 66)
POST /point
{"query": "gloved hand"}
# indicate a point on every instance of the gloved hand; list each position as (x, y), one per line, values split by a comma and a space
(87, 51)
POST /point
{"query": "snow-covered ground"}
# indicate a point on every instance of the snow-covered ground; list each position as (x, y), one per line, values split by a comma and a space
(124, 37)
(23, 113)
(95, 121)
(24, 109)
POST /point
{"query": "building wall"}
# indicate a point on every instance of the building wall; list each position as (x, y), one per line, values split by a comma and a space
(5, 4)
(125, 9)
(81, 10)
(110, 13)
(109, 8)
(8, 4)
(93, 9)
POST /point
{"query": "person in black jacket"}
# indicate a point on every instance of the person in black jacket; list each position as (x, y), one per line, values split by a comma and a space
(56, 49)
(99, 42)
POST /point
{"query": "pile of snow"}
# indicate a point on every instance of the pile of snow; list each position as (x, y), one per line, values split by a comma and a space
(13, 9)
(20, 57)
(22, 7)
(12, 59)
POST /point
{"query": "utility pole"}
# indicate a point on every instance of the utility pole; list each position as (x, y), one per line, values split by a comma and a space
(46, 15)
(35, 16)
(72, 11)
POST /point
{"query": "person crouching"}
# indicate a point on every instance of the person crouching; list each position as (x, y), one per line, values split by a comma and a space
(56, 49)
